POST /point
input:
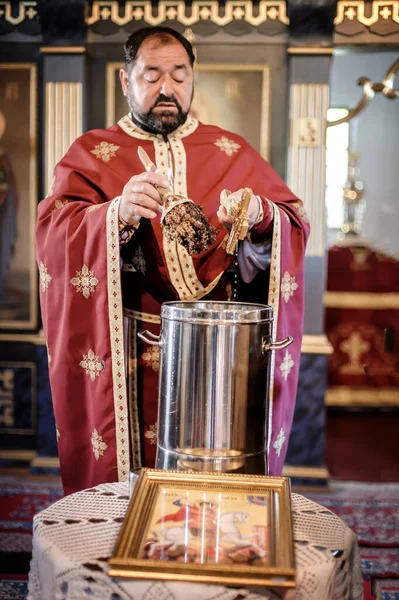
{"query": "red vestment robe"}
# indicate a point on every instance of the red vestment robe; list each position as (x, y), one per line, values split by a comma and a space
(106, 422)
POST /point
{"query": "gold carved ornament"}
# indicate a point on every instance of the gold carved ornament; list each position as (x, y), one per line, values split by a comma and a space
(200, 10)
(354, 10)
(26, 10)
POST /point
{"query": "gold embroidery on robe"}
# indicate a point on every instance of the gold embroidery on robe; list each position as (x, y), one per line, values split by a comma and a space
(51, 188)
(91, 364)
(45, 277)
(115, 316)
(179, 263)
(151, 434)
(99, 446)
(151, 358)
(278, 444)
(274, 302)
(300, 209)
(286, 365)
(226, 145)
(105, 151)
(85, 282)
(60, 203)
(288, 286)
(94, 207)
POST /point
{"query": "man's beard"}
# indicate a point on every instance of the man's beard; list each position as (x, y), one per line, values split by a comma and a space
(164, 122)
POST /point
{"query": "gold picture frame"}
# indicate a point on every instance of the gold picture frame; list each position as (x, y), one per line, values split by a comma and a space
(18, 155)
(233, 96)
(225, 529)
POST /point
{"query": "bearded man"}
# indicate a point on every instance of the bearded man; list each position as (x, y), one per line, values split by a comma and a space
(106, 267)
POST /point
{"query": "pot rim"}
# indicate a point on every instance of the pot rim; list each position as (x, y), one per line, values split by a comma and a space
(216, 312)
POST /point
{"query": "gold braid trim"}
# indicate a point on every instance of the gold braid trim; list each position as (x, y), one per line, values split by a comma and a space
(141, 316)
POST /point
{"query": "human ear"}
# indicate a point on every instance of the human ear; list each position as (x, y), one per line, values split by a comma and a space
(124, 79)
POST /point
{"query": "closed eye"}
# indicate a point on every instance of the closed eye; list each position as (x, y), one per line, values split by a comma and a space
(179, 78)
(151, 77)
(151, 74)
(179, 74)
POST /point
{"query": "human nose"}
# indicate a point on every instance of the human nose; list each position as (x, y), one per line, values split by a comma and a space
(167, 87)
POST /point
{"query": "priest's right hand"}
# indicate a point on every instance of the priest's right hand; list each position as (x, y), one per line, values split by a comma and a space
(140, 197)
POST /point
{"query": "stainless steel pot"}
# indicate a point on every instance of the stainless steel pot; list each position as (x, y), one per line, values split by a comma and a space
(214, 385)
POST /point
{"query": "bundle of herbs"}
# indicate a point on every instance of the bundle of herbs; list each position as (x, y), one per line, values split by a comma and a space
(183, 220)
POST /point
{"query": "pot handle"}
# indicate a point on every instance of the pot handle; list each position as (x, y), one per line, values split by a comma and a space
(266, 346)
(152, 339)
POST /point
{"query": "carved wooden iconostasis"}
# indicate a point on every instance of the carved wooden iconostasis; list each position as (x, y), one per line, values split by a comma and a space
(263, 71)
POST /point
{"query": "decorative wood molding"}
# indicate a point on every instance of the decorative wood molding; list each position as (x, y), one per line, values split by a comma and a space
(62, 50)
(362, 300)
(166, 10)
(362, 22)
(18, 13)
(353, 18)
(306, 50)
(52, 462)
(20, 455)
(355, 10)
(31, 457)
(201, 10)
(37, 339)
(316, 344)
(348, 396)
(305, 472)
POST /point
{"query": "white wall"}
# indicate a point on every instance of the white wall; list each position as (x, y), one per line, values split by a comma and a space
(374, 134)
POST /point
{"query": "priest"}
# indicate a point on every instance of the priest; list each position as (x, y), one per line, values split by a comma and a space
(106, 264)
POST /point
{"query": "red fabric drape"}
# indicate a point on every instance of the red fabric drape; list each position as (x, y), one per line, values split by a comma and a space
(79, 262)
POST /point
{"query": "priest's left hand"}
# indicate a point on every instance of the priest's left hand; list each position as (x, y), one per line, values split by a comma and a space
(227, 220)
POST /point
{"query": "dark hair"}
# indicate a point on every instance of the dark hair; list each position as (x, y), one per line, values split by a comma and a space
(164, 34)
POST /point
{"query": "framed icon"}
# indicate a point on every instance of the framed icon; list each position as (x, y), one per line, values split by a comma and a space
(308, 131)
(207, 528)
(18, 196)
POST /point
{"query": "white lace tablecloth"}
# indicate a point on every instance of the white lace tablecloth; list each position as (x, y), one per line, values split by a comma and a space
(73, 538)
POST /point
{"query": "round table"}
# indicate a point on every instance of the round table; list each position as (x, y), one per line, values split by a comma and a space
(73, 538)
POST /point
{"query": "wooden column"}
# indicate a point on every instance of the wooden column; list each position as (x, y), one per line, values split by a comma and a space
(63, 118)
(309, 70)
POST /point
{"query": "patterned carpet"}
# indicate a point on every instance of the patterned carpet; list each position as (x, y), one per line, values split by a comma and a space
(375, 520)
(387, 589)
(373, 516)
(372, 511)
(19, 501)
